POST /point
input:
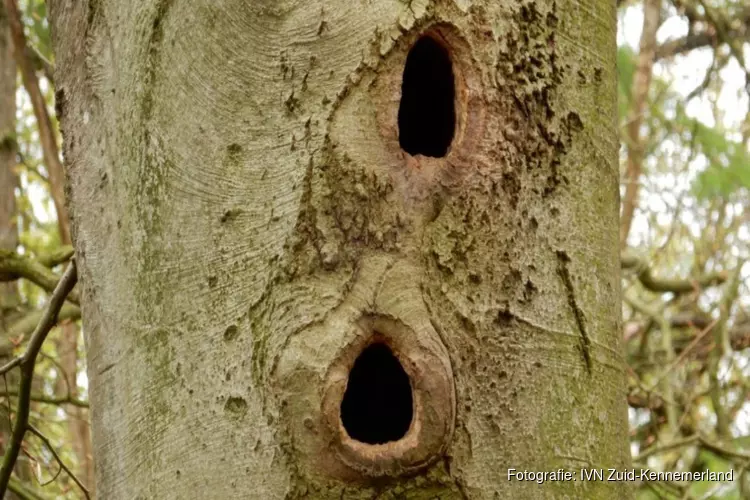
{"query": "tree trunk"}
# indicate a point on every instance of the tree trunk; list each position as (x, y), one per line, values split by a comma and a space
(67, 342)
(268, 195)
(10, 301)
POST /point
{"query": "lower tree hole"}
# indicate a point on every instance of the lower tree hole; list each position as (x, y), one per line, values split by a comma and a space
(377, 404)
(426, 114)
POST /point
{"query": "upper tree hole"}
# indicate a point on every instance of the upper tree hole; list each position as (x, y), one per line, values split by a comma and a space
(377, 404)
(426, 115)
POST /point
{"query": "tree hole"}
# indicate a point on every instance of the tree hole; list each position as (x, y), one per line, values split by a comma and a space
(377, 404)
(426, 114)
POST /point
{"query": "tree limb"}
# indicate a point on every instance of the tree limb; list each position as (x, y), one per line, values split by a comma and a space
(53, 400)
(27, 362)
(22, 491)
(56, 257)
(655, 450)
(64, 467)
(27, 323)
(691, 440)
(674, 285)
(14, 266)
(40, 62)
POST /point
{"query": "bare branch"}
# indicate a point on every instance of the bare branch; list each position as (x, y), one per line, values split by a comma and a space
(685, 352)
(14, 266)
(64, 467)
(22, 491)
(656, 450)
(52, 400)
(674, 285)
(692, 440)
(39, 62)
(26, 325)
(56, 257)
(27, 363)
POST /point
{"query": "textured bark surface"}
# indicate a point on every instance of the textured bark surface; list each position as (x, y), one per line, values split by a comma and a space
(245, 223)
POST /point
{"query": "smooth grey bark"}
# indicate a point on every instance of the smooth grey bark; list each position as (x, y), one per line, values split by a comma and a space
(245, 223)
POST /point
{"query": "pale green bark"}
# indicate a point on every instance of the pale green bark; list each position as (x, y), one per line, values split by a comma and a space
(242, 209)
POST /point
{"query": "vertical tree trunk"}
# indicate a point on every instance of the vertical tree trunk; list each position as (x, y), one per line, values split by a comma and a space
(8, 181)
(9, 299)
(67, 343)
(260, 192)
(639, 96)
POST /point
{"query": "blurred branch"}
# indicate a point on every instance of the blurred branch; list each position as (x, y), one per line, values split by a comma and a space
(30, 167)
(714, 32)
(687, 43)
(27, 362)
(22, 491)
(46, 131)
(52, 400)
(692, 440)
(656, 450)
(26, 325)
(64, 467)
(685, 352)
(674, 285)
(56, 257)
(725, 35)
(14, 266)
(708, 38)
(721, 339)
(647, 400)
(40, 62)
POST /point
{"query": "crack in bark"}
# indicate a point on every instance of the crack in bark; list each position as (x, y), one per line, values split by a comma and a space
(562, 269)
(456, 481)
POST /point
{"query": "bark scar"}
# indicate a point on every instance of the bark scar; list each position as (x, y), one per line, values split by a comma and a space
(562, 269)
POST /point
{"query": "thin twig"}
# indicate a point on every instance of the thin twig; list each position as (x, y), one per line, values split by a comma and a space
(52, 400)
(23, 492)
(655, 450)
(27, 362)
(689, 441)
(663, 285)
(64, 467)
(39, 475)
(685, 351)
(10, 365)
